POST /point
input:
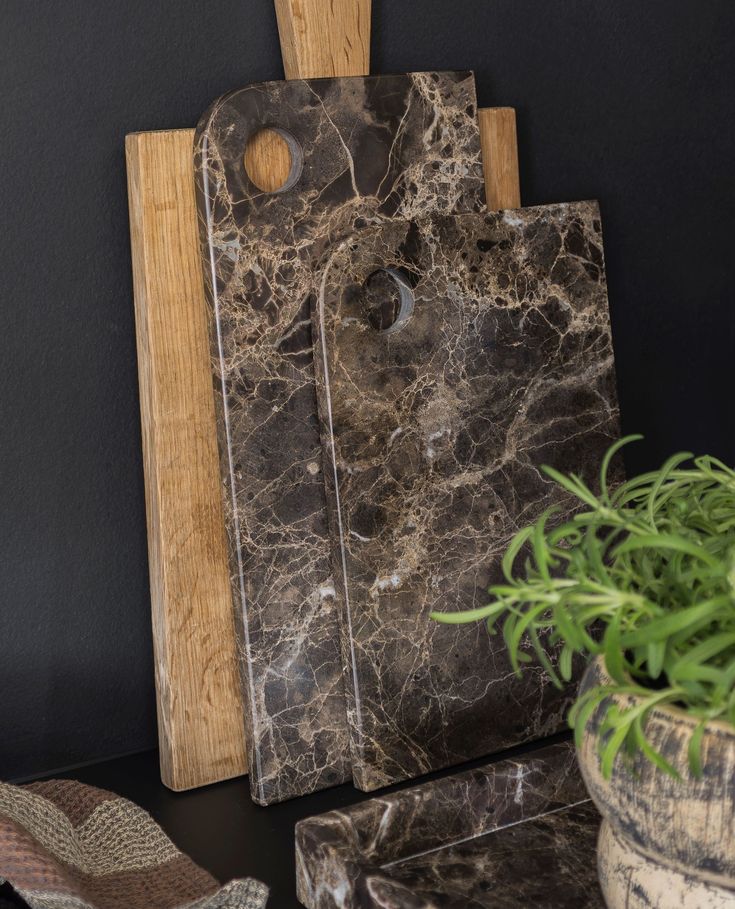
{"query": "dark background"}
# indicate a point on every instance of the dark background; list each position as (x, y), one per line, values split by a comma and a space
(629, 102)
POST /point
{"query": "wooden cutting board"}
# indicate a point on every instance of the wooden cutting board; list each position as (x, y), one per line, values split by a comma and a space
(456, 355)
(200, 722)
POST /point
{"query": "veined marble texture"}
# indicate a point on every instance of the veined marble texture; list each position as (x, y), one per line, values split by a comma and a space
(364, 150)
(436, 427)
(517, 833)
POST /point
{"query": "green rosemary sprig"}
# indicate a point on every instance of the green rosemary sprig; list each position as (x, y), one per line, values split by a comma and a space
(643, 575)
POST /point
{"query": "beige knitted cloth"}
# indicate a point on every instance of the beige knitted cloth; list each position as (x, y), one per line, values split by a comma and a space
(64, 845)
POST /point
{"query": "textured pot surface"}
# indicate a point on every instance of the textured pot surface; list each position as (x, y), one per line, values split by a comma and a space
(634, 880)
(687, 824)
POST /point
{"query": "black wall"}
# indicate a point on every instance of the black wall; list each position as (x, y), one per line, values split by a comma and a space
(627, 101)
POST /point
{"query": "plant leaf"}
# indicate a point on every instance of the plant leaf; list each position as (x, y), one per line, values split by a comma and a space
(695, 750)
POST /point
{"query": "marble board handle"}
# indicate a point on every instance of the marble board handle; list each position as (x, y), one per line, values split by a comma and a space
(310, 50)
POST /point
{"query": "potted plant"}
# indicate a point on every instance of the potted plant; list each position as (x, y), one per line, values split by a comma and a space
(641, 583)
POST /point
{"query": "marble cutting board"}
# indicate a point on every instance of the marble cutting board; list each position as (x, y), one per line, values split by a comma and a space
(518, 833)
(363, 150)
(455, 356)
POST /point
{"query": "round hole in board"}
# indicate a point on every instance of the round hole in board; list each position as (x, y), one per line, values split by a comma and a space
(273, 159)
(387, 300)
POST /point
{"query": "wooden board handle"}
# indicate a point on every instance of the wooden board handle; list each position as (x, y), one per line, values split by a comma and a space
(500, 157)
(324, 37)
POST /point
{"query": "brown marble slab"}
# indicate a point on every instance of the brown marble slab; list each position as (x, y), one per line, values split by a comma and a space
(363, 150)
(436, 426)
(512, 834)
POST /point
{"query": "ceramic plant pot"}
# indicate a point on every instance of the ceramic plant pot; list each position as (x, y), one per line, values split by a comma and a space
(664, 843)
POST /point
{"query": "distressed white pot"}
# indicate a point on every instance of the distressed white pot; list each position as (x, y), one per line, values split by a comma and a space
(664, 843)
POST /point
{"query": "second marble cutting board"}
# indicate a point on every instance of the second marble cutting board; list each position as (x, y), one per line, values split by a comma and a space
(363, 150)
(455, 356)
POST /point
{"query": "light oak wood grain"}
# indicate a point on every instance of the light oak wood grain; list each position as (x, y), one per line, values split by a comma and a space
(200, 715)
(199, 707)
(500, 157)
(324, 37)
(268, 160)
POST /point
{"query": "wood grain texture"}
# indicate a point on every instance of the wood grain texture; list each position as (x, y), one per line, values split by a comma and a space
(199, 706)
(321, 38)
(268, 160)
(500, 157)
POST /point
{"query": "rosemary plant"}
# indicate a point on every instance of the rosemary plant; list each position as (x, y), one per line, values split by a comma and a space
(644, 575)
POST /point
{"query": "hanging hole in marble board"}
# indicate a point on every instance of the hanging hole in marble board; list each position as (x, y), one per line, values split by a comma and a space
(387, 300)
(273, 159)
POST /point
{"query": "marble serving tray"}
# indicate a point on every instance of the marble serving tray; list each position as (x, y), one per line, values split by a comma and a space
(518, 833)
(456, 355)
(363, 150)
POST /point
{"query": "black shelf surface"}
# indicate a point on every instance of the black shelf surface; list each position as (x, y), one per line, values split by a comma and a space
(222, 829)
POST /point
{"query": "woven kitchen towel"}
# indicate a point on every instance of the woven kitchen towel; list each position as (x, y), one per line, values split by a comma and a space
(64, 845)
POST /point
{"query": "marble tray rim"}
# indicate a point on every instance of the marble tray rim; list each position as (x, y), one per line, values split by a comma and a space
(355, 865)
